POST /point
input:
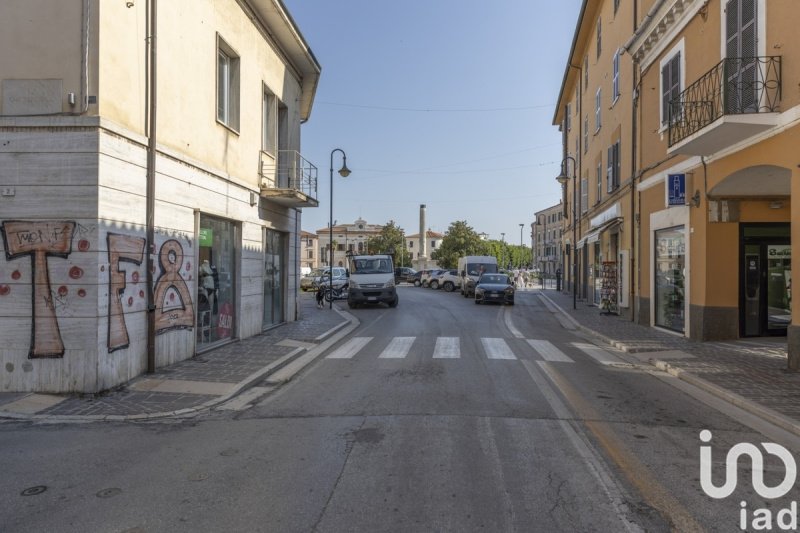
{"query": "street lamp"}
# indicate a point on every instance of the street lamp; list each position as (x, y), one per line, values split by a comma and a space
(562, 178)
(522, 225)
(343, 172)
(503, 251)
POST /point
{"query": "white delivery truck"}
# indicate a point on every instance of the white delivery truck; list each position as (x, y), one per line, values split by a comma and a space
(471, 267)
(371, 280)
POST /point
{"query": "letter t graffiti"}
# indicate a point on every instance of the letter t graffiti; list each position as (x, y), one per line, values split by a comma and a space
(40, 240)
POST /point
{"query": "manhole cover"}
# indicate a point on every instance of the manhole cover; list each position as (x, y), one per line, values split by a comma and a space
(34, 491)
(108, 493)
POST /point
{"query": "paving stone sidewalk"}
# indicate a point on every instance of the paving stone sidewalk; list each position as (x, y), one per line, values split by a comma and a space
(753, 369)
(193, 383)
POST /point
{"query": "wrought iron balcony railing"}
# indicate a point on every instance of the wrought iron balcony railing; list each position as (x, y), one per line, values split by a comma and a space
(735, 86)
(289, 171)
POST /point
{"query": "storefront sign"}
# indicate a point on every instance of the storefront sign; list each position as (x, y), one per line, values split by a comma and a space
(206, 237)
(676, 189)
(225, 321)
(609, 214)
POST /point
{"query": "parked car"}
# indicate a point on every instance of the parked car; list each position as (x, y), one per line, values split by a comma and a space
(428, 275)
(415, 279)
(449, 280)
(404, 274)
(320, 275)
(494, 288)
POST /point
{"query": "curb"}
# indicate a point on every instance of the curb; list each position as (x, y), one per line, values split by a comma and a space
(737, 400)
(771, 416)
(291, 358)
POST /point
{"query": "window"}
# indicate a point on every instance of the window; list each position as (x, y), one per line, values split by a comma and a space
(410, 245)
(614, 168)
(227, 85)
(616, 6)
(599, 182)
(269, 125)
(671, 84)
(615, 77)
(585, 73)
(584, 195)
(597, 103)
(568, 117)
(599, 39)
(585, 133)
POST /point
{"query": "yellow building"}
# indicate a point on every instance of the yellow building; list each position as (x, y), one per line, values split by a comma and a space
(716, 120)
(594, 116)
(145, 133)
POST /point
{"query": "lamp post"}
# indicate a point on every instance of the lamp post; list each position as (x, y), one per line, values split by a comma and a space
(522, 225)
(503, 250)
(563, 178)
(343, 172)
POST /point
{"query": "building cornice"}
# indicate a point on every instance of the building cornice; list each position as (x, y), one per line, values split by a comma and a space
(660, 27)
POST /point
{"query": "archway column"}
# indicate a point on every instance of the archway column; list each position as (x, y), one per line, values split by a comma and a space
(793, 332)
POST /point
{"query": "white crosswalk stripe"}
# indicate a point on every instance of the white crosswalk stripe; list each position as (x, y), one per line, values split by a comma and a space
(350, 348)
(597, 353)
(447, 348)
(497, 348)
(398, 348)
(549, 352)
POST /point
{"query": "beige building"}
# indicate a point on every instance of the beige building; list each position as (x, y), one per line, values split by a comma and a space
(115, 156)
(347, 238)
(309, 251)
(711, 152)
(546, 234)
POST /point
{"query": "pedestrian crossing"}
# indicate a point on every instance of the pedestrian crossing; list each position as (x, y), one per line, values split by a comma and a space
(493, 348)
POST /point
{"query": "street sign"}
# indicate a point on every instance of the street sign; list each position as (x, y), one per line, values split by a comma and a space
(676, 189)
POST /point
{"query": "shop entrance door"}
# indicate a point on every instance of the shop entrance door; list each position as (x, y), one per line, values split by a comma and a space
(766, 278)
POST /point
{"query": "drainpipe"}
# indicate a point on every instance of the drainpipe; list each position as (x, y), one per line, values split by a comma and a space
(85, 58)
(152, 8)
(632, 260)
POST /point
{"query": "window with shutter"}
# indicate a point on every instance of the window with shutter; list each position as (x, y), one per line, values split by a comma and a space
(584, 195)
(615, 77)
(599, 39)
(597, 106)
(741, 49)
(670, 87)
(599, 183)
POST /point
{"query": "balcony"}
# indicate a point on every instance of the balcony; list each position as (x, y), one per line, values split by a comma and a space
(735, 100)
(290, 181)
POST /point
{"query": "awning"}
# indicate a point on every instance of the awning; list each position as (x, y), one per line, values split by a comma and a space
(594, 235)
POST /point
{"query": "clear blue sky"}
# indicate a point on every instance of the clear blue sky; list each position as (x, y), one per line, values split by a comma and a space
(447, 103)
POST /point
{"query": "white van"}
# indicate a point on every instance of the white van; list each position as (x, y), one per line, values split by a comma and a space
(471, 267)
(371, 280)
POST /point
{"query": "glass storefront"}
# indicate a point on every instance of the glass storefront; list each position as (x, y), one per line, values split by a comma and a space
(274, 266)
(216, 281)
(779, 286)
(669, 283)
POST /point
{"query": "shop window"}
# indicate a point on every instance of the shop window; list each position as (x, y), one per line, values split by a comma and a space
(216, 281)
(669, 283)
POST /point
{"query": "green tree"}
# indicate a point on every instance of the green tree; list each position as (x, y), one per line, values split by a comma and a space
(391, 238)
(459, 240)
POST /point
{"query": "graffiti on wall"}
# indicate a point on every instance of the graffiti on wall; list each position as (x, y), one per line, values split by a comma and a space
(42, 240)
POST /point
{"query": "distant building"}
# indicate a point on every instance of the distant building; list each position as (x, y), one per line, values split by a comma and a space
(309, 250)
(421, 260)
(547, 229)
(346, 238)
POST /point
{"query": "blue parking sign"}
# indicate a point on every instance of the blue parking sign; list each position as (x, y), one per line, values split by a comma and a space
(676, 189)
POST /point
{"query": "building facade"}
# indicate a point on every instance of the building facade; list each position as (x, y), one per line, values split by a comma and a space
(309, 251)
(347, 238)
(151, 199)
(712, 135)
(546, 234)
(594, 116)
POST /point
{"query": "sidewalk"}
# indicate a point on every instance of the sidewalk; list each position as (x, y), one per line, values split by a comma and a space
(750, 373)
(202, 382)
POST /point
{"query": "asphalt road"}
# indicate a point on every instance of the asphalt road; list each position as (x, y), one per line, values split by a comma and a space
(439, 415)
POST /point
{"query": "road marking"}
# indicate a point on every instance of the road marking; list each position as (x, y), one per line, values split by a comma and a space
(598, 354)
(398, 348)
(350, 348)
(447, 348)
(510, 324)
(549, 352)
(497, 348)
(644, 479)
